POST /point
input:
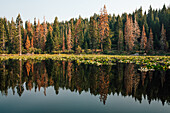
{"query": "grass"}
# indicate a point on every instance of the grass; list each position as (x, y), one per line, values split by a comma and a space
(145, 62)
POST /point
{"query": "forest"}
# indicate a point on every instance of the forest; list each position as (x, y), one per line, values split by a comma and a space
(139, 32)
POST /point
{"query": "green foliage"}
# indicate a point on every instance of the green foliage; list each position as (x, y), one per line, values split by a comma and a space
(49, 45)
(78, 50)
(107, 44)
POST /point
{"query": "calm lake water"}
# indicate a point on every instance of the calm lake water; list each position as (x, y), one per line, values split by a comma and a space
(67, 87)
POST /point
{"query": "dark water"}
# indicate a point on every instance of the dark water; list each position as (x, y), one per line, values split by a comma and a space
(66, 87)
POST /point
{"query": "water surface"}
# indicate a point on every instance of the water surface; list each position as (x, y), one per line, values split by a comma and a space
(62, 87)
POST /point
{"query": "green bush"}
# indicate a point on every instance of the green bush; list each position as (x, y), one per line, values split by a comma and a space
(38, 51)
(24, 51)
(3, 52)
(78, 50)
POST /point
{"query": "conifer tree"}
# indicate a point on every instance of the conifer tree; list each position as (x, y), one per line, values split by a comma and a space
(69, 41)
(72, 32)
(50, 42)
(32, 42)
(37, 35)
(29, 29)
(118, 33)
(78, 33)
(163, 41)
(56, 30)
(20, 49)
(150, 46)
(136, 33)
(56, 34)
(27, 44)
(128, 34)
(120, 41)
(3, 38)
(101, 29)
(143, 40)
(104, 29)
(93, 33)
(63, 47)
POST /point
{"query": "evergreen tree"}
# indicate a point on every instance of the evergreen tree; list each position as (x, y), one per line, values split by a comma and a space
(79, 38)
(136, 33)
(128, 34)
(49, 45)
(163, 41)
(101, 29)
(69, 40)
(118, 32)
(150, 46)
(63, 47)
(3, 38)
(104, 29)
(93, 33)
(120, 41)
(143, 40)
(107, 41)
(27, 44)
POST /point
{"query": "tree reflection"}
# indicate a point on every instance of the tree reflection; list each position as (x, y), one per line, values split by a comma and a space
(121, 79)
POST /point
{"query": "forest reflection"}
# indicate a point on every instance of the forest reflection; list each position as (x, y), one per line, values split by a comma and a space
(121, 79)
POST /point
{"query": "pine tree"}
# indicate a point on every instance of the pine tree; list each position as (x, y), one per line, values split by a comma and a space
(128, 34)
(104, 29)
(44, 34)
(50, 42)
(136, 33)
(117, 35)
(150, 46)
(73, 32)
(27, 44)
(63, 47)
(93, 33)
(56, 30)
(107, 44)
(19, 25)
(78, 34)
(101, 29)
(120, 41)
(143, 40)
(32, 42)
(3, 38)
(69, 41)
(56, 34)
(106, 24)
(37, 35)
(42, 39)
(29, 29)
(163, 41)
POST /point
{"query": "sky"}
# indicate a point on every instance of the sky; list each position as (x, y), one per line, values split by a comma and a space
(67, 9)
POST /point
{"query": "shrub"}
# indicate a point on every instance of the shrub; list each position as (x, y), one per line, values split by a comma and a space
(38, 51)
(78, 50)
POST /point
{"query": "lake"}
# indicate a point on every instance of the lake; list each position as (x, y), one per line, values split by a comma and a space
(68, 87)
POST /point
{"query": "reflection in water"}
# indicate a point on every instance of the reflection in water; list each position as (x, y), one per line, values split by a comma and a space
(122, 79)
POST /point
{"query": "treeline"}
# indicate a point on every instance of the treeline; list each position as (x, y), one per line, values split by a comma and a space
(103, 33)
(124, 79)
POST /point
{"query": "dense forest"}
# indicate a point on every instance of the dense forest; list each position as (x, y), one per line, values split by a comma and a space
(139, 32)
